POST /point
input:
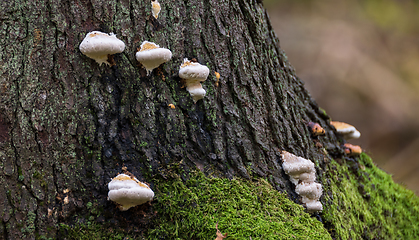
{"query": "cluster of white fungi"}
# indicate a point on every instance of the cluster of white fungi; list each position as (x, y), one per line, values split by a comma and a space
(99, 46)
(126, 191)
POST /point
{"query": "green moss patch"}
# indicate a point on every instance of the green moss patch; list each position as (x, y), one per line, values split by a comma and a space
(243, 209)
(360, 202)
(363, 202)
(91, 230)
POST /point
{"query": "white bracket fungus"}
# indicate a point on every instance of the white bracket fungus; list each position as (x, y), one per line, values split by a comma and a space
(348, 131)
(128, 192)
(194, 73)
(155, 6)
(151, 55)
(303, 175)
(99, 45)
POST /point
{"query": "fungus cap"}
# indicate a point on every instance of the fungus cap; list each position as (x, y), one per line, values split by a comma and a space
(316, 129)
(354, 134)
(194, 73)
(352, 150)
(298, 168)
(151, 55)
(128, 192)
(196, 91)
(311, 190)
(155, 6)
(293, 164)
(313, 205)
(307, 177)
(99, 45)
(217, 75)
(193, 70)
(348, 131)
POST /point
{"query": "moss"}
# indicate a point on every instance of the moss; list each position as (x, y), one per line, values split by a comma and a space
(37, 175)
(243, 209)
(88, 227)
(323, 112)
(21, 177)
(367, 204)
(91, 230)
(360, 202)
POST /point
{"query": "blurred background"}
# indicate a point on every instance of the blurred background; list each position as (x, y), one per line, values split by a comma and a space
(360, 62)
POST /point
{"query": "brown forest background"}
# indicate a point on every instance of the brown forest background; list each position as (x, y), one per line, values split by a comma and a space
(360, 61)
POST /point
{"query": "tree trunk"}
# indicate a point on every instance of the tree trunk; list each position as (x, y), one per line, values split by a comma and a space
(68, 125)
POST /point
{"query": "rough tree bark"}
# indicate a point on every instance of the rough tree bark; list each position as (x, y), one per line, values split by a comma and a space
(68, 125)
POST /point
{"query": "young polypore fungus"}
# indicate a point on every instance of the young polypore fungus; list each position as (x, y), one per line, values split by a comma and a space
(303, 175)
(217, 76)
(348, 131)
(194, 73)
(128, 192)
(352, 150)
(155, 6)
(316, 129)
(151, 55)
(99, 45)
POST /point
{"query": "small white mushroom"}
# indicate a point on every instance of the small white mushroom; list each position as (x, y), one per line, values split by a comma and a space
(151, 55)
(128, 192)
(98, 45)
(194, 73)
(348, 131)
(155, 6)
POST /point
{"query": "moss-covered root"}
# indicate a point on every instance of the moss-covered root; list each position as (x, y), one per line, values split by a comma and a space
(243, 209)
(363, 202)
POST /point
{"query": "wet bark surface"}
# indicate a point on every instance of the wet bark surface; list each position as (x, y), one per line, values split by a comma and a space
(68, 125)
